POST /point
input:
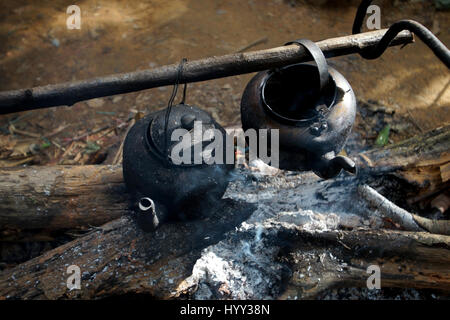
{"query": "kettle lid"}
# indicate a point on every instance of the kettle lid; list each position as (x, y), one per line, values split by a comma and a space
(182, 116)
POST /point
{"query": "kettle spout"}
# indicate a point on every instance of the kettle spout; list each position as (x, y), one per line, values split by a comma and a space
(328, 166)
(150, 214)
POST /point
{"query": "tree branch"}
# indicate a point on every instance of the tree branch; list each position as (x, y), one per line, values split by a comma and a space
(199, 70)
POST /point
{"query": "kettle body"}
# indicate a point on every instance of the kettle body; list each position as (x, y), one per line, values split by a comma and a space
(176, 191)
(313, 120)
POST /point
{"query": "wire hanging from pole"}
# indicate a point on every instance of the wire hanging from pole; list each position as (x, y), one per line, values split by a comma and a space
(172, 98)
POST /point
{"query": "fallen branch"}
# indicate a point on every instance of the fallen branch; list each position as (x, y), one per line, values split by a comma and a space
(433, 226)
(421, 161)
(388, 209)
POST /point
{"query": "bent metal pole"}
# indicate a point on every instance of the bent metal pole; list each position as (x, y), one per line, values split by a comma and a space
(68, 93)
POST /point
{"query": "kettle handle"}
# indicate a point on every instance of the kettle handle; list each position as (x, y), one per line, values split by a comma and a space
(319, 59)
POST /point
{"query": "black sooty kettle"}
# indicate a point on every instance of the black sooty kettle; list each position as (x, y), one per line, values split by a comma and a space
(312, 106)
(163, 189)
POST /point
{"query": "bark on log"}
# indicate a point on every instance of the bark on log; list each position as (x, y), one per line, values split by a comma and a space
(61, 197)
(199, 70)
(120, 259)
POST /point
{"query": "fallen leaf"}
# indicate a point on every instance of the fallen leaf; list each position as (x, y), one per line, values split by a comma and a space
(91, 147)
(383, 136)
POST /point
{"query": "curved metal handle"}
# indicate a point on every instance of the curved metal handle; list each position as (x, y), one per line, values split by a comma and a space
(319, 59)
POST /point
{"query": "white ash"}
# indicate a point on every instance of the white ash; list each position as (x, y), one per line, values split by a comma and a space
(244, 265)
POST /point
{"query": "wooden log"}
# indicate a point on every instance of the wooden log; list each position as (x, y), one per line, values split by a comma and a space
(66, 197)
(61, 197)
(431, 149)
(199, 70)
(405, 259)
(420, 161)
(120, 259)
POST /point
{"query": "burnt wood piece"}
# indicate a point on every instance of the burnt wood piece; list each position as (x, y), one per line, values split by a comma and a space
(120, 259)
(406, 260)
(198, 70)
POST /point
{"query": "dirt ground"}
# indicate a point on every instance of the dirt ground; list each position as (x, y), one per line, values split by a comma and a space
(36, 48)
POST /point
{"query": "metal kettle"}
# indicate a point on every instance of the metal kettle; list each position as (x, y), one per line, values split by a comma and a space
(312, 106)
(161, 189)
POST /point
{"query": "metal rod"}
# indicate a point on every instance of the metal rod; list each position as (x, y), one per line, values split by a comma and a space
(69, 93)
